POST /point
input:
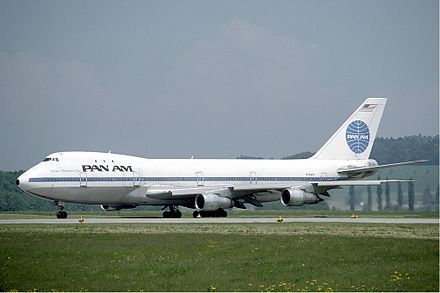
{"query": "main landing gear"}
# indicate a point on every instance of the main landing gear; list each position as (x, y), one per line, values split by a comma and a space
(172, 213)
(220, 213)
(61, 214)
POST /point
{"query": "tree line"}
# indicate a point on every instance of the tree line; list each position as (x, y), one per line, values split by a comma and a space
(416, 147)
(404, 200)
(13, 198)
(388, 150)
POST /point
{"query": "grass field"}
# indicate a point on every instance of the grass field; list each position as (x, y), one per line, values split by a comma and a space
(209, 257)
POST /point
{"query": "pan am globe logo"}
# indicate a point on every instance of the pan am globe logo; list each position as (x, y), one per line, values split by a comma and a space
(357, 136)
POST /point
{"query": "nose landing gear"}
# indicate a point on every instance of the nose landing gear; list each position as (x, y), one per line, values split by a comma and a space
(61, 214)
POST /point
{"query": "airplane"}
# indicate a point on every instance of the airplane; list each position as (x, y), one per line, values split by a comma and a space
(209, 186)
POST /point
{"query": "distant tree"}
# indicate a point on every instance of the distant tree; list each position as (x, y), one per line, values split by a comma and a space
(303, 155)
(352, 194)
(413, 147)
(399, 195)
(13, 199)
(244, 157)
(436, 199)
(379, 196)
(387, 196)
(411, 195)
(370, 198)
(427, 197)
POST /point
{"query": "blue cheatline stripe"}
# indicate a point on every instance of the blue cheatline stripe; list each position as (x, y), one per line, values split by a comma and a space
(180, 179)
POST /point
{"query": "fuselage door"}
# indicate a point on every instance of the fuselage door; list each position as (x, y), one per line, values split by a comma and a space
(200, 178)
(83, 179)
(252, 177)
(136, 179)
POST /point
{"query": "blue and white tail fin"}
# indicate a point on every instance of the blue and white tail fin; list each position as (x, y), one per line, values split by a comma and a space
(355, 138)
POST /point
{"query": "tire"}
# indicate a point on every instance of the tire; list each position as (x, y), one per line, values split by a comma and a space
(62, 215)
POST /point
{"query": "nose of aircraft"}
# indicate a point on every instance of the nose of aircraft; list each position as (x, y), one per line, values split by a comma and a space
(23, 181)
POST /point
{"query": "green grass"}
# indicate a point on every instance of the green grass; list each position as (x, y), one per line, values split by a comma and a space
(236, 257)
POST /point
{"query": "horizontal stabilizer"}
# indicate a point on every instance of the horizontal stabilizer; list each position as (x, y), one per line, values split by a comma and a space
(375, 168)
(337, 183)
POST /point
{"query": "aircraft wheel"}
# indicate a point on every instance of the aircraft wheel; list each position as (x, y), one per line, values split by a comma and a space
(166, 214)
(177, 214)
(195, 214)
(62, 215)
(220, 213)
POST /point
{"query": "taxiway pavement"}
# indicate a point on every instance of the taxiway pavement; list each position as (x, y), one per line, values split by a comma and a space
(122, 220)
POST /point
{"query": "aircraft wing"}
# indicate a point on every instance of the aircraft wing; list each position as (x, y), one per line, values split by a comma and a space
(249, 193)
(180, 192)
(355, 171)
(184, 192)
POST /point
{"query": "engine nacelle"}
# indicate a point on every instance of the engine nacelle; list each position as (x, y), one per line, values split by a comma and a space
(212, 202)
(116, 207)
(298, 197)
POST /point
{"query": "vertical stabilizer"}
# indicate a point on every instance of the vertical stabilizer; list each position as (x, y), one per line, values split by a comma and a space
(355, 138)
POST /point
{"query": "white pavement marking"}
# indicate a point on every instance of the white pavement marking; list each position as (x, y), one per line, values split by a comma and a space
(115, 220)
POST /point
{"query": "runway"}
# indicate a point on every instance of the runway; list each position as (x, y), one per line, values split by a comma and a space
(121, 220)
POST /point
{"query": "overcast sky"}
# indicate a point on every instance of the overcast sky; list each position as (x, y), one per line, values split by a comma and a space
(209, 79)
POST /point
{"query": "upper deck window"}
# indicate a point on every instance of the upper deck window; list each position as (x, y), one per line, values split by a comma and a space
(51, 159)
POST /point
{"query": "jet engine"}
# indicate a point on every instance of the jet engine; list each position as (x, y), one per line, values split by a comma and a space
(116, 207)
(298, 197)
(212, 202)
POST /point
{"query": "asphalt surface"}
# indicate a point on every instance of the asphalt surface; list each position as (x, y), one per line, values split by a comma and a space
(122, 220)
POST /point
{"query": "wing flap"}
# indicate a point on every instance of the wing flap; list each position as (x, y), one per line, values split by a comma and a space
(180, 192)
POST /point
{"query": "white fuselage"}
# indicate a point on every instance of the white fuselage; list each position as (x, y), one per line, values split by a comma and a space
(104, 178)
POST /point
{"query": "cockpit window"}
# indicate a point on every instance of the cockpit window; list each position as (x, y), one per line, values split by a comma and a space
(51, 159)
